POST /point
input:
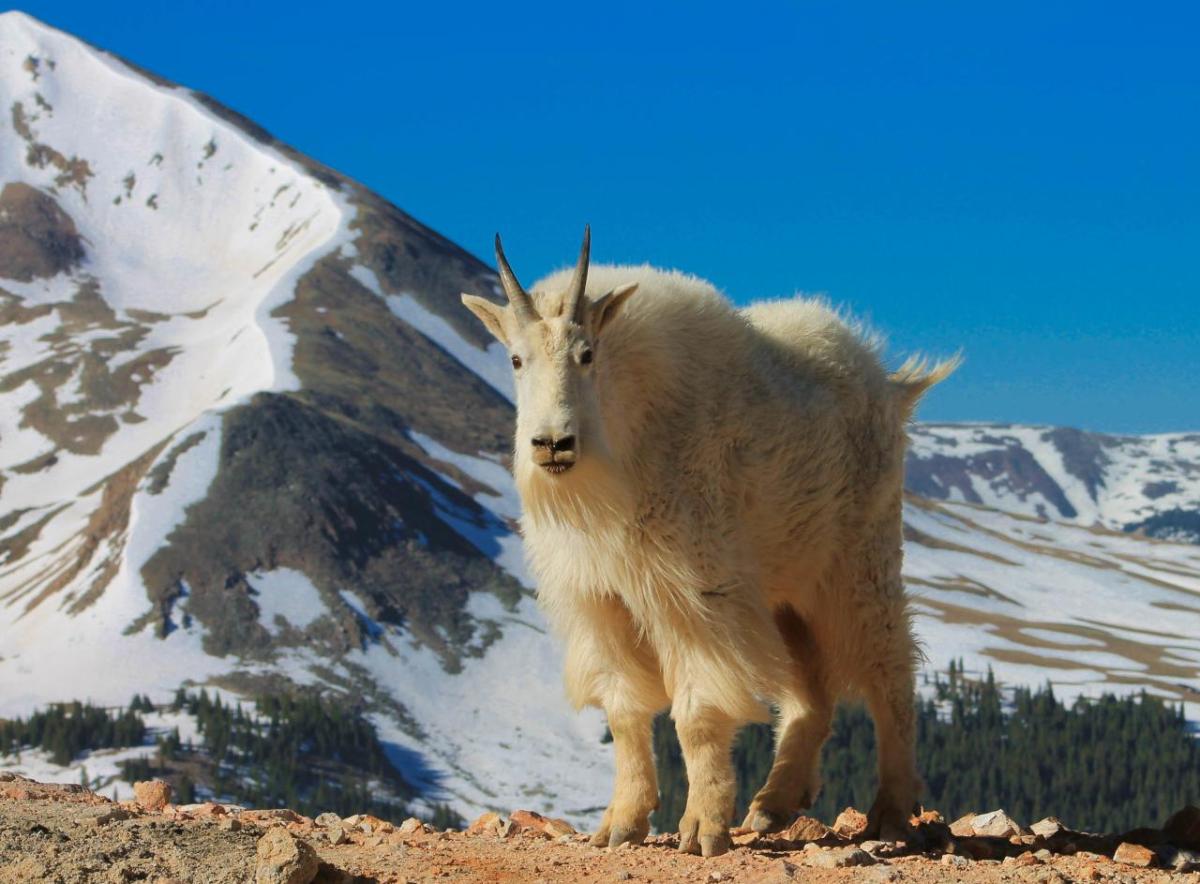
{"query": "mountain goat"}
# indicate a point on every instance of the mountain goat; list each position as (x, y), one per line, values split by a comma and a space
(712, 510)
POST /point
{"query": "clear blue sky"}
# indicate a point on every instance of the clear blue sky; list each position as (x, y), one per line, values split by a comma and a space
(1018, 180)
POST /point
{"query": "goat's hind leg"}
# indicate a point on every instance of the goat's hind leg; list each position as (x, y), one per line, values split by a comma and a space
(805, 715)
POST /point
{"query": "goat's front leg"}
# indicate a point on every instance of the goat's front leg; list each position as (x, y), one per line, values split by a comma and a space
(706, 738)
(635, 789)
(610, 665)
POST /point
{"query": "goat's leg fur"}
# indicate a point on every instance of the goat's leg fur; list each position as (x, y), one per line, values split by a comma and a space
(635, 790)
(805, 716)
(706, 738)
(608, 664)
(891, 705)
(795, 777)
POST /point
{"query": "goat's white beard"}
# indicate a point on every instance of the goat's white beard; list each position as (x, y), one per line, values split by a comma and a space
(593, 494)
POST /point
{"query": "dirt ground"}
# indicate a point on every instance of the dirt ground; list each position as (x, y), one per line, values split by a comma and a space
(67, 834)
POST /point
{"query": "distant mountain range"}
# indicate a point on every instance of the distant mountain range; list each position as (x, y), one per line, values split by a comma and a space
(250, 439)
(1147, 484)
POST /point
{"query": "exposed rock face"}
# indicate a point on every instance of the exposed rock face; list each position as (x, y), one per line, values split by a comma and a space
(37, 238)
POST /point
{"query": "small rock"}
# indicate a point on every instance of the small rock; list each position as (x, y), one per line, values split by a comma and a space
(1134, 855)
(411, 826)
(961, 827)
(883, 874)
(335, 834)
(1050, 876)
(282, 859)
(806, 829)
(557, 828)
(375, 825)
(1183, 828)
(273, 815)
(787, 869)
(486, 824)
(231, 824)
(112, 815)
(327, 819)
(1048, 827)
(716, 876)
(152, 795)
(850, 823)
(624, 875)
(509, 829)
(745, 839)
(1044, 855)
(838, 858)
(953, 859)
(535, 822)
(995, 824)
(1028, 859)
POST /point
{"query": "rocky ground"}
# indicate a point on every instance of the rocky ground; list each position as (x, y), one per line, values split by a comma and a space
(68, 834)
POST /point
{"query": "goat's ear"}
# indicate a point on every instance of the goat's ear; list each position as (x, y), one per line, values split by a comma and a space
(606, 307)
(489, 313)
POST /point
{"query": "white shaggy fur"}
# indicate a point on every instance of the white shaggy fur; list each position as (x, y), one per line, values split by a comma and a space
(726, 538)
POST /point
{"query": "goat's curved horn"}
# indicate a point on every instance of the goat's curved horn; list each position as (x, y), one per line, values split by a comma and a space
(517, 296)
(573, 303)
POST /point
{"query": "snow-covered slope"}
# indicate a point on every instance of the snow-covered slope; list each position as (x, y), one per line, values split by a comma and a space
(1129, 483)
(248, 433)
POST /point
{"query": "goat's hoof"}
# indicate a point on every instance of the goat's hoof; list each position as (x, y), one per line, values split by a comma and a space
(703, 837)
(766, 821)
(621, 828)
(886, 822)
(635, 834)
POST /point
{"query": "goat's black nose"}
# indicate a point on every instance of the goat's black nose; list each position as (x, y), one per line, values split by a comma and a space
(563, 443)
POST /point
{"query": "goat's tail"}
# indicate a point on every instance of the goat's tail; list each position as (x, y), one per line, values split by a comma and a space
(916, 375)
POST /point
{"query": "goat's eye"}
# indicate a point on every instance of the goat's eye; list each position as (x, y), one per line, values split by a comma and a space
(585, 358)
(516, 361)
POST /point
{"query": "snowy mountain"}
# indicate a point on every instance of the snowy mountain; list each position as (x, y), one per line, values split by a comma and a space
(249, 437)
(1149, 484)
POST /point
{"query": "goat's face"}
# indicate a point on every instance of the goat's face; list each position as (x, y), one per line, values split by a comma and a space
(554, 363)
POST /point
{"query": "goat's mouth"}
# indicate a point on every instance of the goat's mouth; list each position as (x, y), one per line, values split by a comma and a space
(554, 462)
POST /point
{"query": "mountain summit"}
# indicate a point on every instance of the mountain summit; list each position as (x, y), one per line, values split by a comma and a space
(249, 437)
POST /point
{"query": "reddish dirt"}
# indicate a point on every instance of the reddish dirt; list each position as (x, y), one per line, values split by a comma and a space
(67, 834)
